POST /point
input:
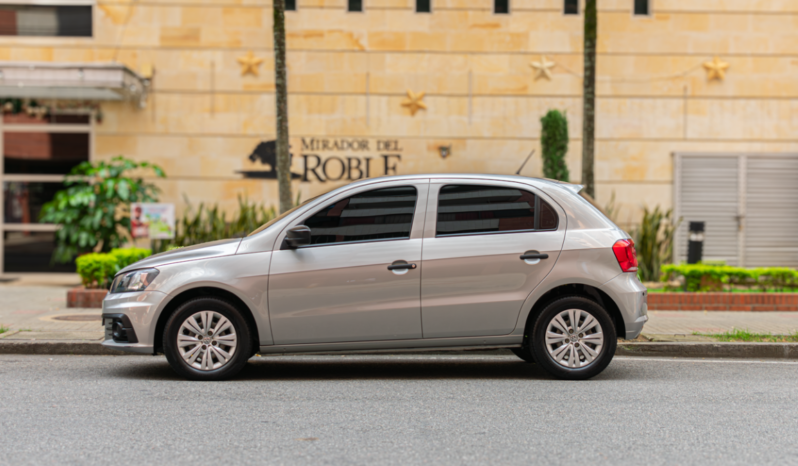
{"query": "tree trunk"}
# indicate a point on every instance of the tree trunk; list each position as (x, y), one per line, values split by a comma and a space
(589, 98)
(281, 101)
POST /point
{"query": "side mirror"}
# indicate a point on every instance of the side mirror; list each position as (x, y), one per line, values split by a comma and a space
(298, 236)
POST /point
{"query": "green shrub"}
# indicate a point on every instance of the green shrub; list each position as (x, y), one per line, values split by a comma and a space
(88, 208)
(211, 224)
(95, 269)
(128, 256)
(554, 143)
(654, 242)
(704, 277)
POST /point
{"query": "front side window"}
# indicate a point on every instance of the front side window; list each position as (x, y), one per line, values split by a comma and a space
(381, 214)
(45, 20)
(472, 209)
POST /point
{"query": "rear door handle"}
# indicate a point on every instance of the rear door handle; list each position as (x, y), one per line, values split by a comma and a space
(401, 266)
(534, 256)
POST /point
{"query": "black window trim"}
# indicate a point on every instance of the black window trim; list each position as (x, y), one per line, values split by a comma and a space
(535, 229)
(345, 196)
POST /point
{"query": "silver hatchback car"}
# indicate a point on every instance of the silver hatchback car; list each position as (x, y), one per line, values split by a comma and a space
(421, 262)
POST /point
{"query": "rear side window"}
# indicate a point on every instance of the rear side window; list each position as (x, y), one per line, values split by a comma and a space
(470, 209)
(380, 214)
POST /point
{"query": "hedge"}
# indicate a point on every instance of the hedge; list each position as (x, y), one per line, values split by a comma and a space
(704, 277)
(97, 269)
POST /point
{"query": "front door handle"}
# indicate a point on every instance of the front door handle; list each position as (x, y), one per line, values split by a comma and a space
(401, 266)
(527, 257)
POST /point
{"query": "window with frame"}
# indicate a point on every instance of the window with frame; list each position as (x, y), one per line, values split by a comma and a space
(381, 214)
(354, 5)
(46, 20)
(571, 7)
(501, 7)
(475, 209)
(642, 8)
(423, 6)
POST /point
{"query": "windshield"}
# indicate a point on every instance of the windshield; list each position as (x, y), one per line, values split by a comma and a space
(280, 217)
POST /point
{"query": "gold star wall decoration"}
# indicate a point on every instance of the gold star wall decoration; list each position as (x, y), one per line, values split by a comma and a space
(716, 69)
(542, 68)
(413, 102)
(249, 64)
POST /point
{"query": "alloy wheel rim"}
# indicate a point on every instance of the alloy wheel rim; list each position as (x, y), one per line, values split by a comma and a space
(207, 340)
(574, 338)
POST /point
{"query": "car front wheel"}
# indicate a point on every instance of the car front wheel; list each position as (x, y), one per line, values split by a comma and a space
(574, 338)
(207, 339)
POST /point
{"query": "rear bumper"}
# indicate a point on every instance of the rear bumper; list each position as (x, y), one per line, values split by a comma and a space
(631, 297)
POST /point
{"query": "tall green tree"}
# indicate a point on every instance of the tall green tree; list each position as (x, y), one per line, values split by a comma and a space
(589, 98)
(554, 141)
(281, 100)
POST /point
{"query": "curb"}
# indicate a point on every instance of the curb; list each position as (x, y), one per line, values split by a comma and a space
(76, 348)
(710, 350)
(670, 350)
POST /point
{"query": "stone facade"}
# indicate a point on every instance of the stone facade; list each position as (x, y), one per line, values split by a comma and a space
(350, 72)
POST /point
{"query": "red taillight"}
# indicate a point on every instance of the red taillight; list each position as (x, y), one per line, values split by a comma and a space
(625, 253)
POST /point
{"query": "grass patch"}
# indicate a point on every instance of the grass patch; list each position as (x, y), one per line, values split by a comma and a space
(736, 334)
(3, 329)
(735, 290)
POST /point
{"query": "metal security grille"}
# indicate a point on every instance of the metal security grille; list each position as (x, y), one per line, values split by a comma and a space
(749, 203)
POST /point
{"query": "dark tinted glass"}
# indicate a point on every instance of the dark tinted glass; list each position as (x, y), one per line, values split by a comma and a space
(423, 6)
(40, 20)
(31, 251)
(290, 5)
(641, 7)
(571, 7)
(44, 153)
(501, 6)
(374, 215)
(355, 5)
(23, 200)
(548, 217)
(487, 209)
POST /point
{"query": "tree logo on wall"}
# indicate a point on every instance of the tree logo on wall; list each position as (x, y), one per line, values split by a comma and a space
(266, 153)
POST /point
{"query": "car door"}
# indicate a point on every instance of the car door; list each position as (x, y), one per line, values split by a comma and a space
(340, 288)
(487, 245)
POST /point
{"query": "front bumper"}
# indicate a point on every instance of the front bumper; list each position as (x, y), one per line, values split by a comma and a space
(133, 317)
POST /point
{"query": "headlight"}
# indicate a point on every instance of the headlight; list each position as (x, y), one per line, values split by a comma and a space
(137, 280)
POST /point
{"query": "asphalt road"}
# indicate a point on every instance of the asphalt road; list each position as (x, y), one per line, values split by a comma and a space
(396, 410)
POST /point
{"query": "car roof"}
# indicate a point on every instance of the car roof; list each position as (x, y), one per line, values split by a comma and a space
(575, 188)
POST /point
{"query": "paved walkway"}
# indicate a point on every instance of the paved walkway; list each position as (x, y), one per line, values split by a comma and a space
(34, 311)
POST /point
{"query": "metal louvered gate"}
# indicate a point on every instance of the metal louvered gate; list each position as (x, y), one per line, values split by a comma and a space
(748, 201)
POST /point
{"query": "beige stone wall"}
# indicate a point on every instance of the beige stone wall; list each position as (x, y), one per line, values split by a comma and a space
(349, 72)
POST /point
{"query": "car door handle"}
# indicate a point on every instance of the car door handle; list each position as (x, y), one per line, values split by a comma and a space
(534, 256)
(401, 266)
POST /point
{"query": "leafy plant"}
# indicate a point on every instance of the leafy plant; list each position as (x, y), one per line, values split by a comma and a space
(128, 256)
(3, 329)
(654, 242)
(92, 211)
(95, 269)
(554, 142)
(704, 277)
(210, 223)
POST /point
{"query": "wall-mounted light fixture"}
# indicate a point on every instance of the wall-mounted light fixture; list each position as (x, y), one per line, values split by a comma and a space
(445, 151)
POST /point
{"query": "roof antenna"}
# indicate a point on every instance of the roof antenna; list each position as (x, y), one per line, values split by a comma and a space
(525, 161)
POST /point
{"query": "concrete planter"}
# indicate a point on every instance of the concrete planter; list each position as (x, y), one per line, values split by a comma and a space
(723, 301)
(81, 297)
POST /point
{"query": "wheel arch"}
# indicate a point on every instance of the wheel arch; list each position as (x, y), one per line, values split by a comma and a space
(576, 289)
(199, 292)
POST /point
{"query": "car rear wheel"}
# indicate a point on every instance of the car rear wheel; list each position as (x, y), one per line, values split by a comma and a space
(207, 339)
(574, 338)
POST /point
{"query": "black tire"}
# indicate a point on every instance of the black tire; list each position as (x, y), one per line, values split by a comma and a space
(524, 353)
(243, 348)
(541, 352)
